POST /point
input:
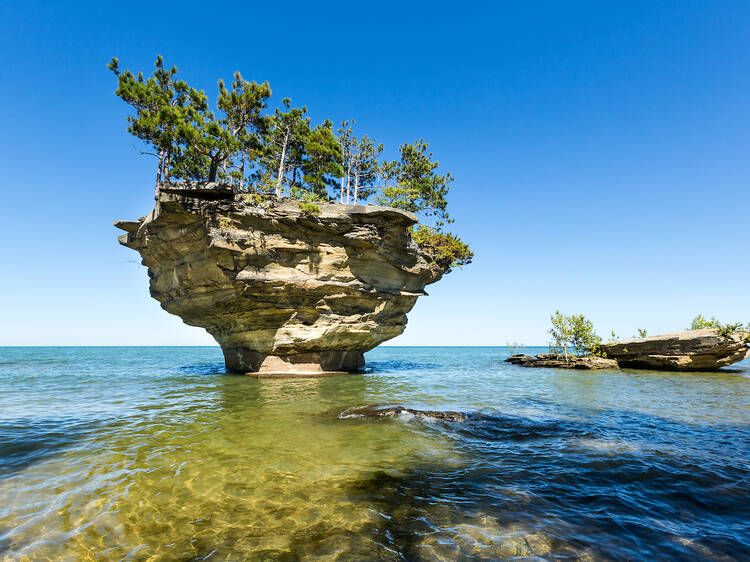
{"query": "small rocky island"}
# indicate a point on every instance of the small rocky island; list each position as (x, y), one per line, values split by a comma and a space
(689, 350)
(282, 289)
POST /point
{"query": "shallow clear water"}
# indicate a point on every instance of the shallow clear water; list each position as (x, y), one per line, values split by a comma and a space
(155, 453)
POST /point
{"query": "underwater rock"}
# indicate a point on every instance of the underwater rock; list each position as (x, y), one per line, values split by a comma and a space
(396, 411)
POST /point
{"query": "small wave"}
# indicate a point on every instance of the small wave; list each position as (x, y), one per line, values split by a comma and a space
(26, 441)
(204, 369)
(385, 366)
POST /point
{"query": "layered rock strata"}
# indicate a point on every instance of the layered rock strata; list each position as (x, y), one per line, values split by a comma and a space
(559, 361)
(282, 290)
(691, 350)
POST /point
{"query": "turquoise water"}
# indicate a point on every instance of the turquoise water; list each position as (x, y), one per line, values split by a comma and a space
(156, 453)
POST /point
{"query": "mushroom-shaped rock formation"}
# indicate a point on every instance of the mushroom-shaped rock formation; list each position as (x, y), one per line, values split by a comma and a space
(282, 290)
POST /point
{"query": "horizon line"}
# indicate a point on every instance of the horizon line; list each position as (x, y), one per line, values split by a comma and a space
(218, 346)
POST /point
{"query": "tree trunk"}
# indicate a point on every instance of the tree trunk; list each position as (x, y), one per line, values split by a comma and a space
(212, 171)
(356, 186)
(342, 189)
(348, 182)
(242, 170)
(159, 167)
(280, 177)
(165, 166)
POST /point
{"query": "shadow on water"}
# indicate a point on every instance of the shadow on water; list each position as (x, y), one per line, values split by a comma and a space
(397, 365)
(204, 369)
(26, 441)
(621, 486)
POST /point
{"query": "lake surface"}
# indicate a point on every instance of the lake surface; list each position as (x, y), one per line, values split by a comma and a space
(156, 453)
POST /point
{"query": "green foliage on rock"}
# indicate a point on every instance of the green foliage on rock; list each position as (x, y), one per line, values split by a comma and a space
(160, 103)
(323, 163)
(360, 165)
(574, 332)
(411, 183)
(729, 329)
(447, 249)
(242, 107)
(258, 200)
(700, 323)
(260, 150)
(309, 208)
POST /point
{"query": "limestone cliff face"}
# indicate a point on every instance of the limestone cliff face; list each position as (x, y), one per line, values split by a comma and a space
(279, 289)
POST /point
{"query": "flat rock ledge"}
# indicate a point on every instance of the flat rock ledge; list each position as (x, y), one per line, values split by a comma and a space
(691, 350)
(283, 291)
(558, 361)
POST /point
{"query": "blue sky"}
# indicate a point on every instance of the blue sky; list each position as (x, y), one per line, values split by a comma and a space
(601, 152)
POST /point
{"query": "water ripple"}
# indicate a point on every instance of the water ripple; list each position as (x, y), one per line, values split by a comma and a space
(157, 453)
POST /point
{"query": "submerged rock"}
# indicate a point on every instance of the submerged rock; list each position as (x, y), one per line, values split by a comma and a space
(396, 411)
(281, 290)
(559, 361)
(691, 350)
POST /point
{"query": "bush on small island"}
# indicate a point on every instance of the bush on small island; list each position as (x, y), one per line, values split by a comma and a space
(574, 332)
(700, 323)
(272, 153)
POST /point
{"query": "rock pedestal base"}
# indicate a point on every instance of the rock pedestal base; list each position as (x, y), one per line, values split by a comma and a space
(243, 360)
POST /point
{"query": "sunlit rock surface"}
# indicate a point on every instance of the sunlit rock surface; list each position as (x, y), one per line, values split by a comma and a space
(282, 291)
(691, 350)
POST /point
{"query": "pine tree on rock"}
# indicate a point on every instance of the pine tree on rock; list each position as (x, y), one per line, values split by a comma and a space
(242, 107)
(208, 144)
(282, 150)
(284, 142)
(323, 163)
(347, 142)
(411, 183)
(159, 104)
(364, 167)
